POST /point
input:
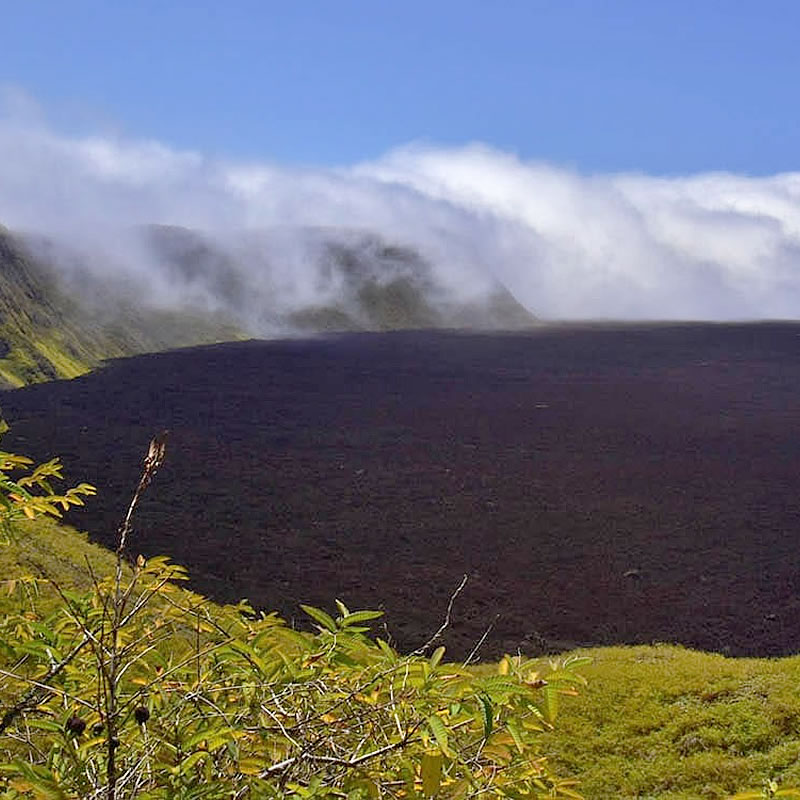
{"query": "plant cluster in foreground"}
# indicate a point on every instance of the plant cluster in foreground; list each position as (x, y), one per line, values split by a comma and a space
(127, 685)
(139, 688)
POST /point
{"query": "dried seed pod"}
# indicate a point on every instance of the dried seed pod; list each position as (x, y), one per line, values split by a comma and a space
(75, 725)
(141, 714)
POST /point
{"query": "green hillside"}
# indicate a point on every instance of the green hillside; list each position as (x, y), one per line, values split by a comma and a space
(44, 552)
(41, 331)
(46, 332)
(382, 287)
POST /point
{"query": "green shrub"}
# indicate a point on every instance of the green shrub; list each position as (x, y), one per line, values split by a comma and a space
(26, 492)
(139, 688)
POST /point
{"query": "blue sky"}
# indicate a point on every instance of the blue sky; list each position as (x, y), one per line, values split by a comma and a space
(657, 86)
(608, 159)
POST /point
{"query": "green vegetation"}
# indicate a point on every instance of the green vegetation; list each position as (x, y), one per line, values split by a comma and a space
(39, 335)
(106, 663)
(653, 722)
(116, 682)
(137, 688)
(46, 333)
(44, 553)
(38, 553)
(665, 722)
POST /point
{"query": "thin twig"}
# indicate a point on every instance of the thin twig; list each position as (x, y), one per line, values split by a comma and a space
(436, 636)
(153, 460)
(477, 647)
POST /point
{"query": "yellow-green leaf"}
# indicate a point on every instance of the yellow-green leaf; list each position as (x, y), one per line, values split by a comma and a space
(431, 773)
(439, 731)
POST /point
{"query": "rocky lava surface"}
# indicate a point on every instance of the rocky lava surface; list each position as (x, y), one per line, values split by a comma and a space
(597, 483)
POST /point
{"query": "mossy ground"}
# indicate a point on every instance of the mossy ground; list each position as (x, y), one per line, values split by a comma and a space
(670, 723)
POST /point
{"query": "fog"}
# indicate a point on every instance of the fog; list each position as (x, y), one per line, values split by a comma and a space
(568, 245)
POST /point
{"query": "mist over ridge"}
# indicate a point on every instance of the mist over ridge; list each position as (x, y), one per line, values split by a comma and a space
(710, 246)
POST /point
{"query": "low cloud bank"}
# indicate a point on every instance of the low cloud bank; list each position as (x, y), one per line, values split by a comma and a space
(568, 246)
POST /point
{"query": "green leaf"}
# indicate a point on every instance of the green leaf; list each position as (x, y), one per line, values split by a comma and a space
(317, 614)
(386, 649)
(41, 781)
(577, 661)
(500, 684)
(431, 773)
(360, 616)
(549, 707)
(44, 724)
(91, 743)
(436, 657)
(488, 715)
(439, 731)
(194, 758)
(515, 735)
(343, 610)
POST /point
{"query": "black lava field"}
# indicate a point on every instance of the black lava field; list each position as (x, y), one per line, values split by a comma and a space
(598, 483)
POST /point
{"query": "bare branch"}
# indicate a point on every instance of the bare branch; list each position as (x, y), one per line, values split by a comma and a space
(480, 642)
(436, 636)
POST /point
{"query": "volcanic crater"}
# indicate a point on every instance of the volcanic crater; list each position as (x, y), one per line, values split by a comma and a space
(597, 483)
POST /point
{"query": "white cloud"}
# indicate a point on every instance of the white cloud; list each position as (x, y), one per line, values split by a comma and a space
(710, 246)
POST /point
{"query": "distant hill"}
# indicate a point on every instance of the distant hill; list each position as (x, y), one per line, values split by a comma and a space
(64, 309)
(49, 329)
(350, 281)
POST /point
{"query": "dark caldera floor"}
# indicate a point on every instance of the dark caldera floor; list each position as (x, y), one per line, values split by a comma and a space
(598, 483)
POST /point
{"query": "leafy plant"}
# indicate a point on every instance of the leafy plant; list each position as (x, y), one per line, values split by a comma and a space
(26, 491)
(140, 688)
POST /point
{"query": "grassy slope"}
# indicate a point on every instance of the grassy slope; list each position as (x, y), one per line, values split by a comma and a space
(45, 550)
(46, 334)
(40, 337)
(666, 722)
